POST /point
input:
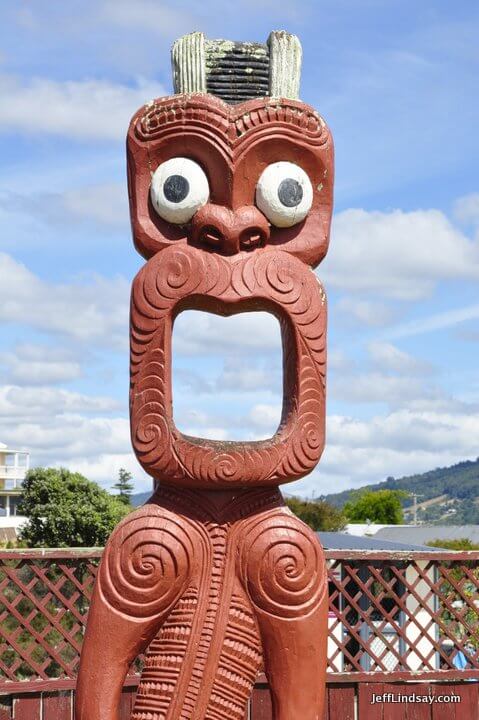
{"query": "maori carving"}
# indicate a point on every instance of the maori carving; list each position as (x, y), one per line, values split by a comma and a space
(214, 578)
(186, 276)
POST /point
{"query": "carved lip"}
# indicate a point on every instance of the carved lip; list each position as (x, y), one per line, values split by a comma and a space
(182, 278)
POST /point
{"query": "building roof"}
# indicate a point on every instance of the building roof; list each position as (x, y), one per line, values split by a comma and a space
(343, 541)
(422, 534)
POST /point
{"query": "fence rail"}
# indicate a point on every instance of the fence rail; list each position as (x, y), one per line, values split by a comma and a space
(392, 616)
(345, 701)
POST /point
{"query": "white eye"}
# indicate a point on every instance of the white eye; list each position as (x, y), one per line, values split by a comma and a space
(179, 187)
(284, 194)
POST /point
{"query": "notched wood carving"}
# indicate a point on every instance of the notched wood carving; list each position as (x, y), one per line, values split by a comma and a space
(214, 578)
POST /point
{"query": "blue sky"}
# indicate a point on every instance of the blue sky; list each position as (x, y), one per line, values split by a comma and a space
(397, 83)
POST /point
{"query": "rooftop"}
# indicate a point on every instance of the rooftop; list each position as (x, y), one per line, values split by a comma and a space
(343, 541)
(422, 534)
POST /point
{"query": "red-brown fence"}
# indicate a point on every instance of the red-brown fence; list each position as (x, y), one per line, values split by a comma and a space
(393, 618)
(344, 701)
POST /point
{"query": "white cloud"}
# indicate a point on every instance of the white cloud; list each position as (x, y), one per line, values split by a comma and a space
(40, 372)
(106, 204)
(339, 360)
(368, 312)
(200, 333)
(439, 321)
(466, 209)
(82, 110)
(388, 357)
(68, 429)
(398, 254)
(26, 403)
(58, 438)
(206, 431)
(408, 431)
(31, 364)
(265, 418)
(148, 15)
(103, 469)
(241, 376)
(392, 390)
(97, 311)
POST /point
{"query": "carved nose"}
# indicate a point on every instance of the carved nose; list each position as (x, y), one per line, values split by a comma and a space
(228, 232)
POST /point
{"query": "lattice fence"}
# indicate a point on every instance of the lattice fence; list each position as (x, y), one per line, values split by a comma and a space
(393, 614)
(43, 608)
(389, 614)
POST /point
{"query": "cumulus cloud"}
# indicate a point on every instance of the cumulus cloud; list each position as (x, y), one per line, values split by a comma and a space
(199, 333)
(369, 312)
(391, 390)
(388, 357)
(235, 377)
(265, 419)
(94, 312)
(31, 364)
(105, 205)
(25, 403)
(87, 434)
(104, 468)
(400, 255)
(466, 209)
(409, 431)
(239, 376)
(80, 109)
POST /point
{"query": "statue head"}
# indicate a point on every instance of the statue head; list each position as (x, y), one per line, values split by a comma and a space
(230, 186)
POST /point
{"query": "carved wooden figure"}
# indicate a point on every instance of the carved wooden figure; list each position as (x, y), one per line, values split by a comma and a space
(230, 184)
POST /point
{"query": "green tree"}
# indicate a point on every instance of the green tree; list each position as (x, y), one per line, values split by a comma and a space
(318, 515)
(379, 506)
(458, 544)
(124, 486)
(65, 509)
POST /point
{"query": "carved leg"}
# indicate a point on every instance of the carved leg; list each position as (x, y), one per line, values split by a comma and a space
(283, 569)
(145, 569)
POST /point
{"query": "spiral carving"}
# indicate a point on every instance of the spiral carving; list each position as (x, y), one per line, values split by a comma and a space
(271, 277)
(283, 567)
(146, 565)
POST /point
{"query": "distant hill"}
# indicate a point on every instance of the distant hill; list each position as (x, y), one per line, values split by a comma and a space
(448, 495)
(140, 498)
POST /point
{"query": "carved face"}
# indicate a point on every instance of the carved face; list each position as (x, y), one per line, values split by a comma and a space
(231, 205)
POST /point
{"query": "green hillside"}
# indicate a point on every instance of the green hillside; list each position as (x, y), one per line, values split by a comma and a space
(447, 495)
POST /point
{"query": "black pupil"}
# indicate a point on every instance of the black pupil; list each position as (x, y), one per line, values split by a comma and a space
(176, 188)
(290, 192)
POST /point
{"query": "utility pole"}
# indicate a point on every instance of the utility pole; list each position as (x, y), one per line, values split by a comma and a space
(414, 507)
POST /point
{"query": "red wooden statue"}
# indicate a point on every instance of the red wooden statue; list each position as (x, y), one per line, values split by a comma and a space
(230, 184)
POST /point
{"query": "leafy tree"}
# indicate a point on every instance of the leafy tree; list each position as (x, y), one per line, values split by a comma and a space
(65, 509)
(380, 506)
(318, 515)
(458, 544)
(124, 486)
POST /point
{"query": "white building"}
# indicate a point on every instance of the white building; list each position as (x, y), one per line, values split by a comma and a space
(14, 465)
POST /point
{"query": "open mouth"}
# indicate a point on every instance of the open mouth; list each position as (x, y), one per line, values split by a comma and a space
(227, 375)
(184, 277)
